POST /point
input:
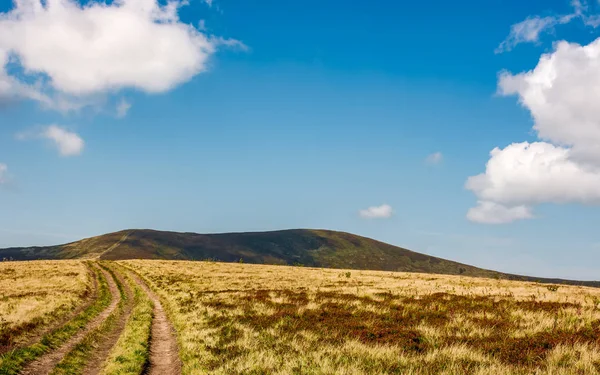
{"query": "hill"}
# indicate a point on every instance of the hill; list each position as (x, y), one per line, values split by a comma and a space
(311, 248)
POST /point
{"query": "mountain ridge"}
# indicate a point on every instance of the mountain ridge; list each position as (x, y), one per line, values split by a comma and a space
(306, 247)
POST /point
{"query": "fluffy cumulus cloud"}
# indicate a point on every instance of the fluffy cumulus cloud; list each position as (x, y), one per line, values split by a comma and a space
(435, 158)
(377, 212)
(524, 173)
(561, 93)
(66, 50)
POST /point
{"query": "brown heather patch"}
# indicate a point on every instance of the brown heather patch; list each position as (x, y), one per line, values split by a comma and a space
(219, 305)
(338, 319)
(298, 320)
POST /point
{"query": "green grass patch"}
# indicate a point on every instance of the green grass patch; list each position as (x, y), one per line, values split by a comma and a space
(14, 361)
(131, 353)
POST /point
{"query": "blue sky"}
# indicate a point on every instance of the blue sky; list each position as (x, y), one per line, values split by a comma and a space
(303, 114)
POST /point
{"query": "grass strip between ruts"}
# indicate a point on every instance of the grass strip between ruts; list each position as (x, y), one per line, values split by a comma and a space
(131, 353)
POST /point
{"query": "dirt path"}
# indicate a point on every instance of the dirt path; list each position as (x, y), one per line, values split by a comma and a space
(108, 341)
(38, 333)
(164, 351)
(47, 362)
(114, 246)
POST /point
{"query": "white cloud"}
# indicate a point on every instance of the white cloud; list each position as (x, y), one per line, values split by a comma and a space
(230, 43)
(561, 94)
(11, 88)
(527, 31)
(377, 212)
(435, 158)
(122, 108)
(3, 173)
(75, 50)
(66, 142)
(540, 172)
(530, 30)
(494, 213)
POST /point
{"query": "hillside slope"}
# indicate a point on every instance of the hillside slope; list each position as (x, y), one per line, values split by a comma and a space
(312, 248)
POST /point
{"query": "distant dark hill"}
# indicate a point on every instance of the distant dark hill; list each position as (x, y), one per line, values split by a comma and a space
(312, 248)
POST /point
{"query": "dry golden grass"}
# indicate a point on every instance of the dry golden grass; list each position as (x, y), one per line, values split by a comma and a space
(35, 294)
(255, 319)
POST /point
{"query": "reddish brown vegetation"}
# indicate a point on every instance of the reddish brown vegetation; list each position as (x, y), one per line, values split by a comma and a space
(343, 316)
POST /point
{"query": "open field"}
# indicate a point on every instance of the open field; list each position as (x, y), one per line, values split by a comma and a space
(254, 319)
(38, 294)
(181, 317)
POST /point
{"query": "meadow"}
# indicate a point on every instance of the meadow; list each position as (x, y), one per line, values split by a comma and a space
(258, 319)
(39, 294)
(185, 317)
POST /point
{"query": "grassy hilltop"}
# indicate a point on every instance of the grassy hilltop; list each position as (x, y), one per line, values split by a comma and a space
(306, 247)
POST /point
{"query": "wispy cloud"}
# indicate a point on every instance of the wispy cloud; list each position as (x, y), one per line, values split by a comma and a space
(123, 107)
(531, 29)
(377, 212)
(495, 213)
(3, 174)
(527, 31)
(229, 43)
(435, 158)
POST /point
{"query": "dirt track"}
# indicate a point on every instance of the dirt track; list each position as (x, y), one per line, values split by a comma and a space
(164, 352)
(109, 340)
(46, 363)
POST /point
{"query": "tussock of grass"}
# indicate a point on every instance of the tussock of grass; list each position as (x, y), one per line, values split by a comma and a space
(131, 353)
(74, 362)
(14, 361)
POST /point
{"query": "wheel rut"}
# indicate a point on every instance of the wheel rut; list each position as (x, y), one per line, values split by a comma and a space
(164, 351)
(108, 341)
(46, 363)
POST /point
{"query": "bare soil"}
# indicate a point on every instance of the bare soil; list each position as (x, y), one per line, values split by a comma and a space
(164, 351)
